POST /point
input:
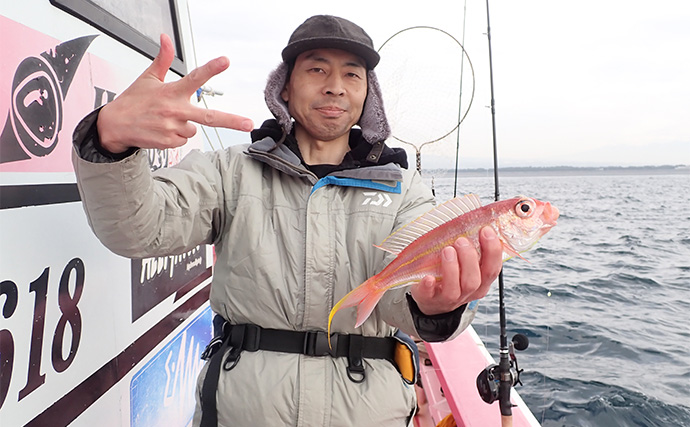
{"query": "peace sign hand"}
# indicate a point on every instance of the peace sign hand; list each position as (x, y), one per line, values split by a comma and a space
(154, 114)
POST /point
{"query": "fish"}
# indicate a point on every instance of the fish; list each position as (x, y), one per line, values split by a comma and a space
(519, 223)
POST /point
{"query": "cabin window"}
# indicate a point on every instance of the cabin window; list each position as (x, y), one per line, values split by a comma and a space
(136, 23)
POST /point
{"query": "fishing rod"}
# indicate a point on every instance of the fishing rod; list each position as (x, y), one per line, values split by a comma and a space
(462, 69)
(494, 382)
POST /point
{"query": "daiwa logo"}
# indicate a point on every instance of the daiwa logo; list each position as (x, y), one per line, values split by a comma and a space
(374, 198)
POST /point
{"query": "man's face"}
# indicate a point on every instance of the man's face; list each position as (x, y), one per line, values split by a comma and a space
(326, 92)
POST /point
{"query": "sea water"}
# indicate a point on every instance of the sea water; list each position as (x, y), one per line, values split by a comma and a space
(604, 298)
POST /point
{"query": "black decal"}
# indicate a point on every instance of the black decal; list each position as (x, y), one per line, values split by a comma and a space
(70, 314)
(9, 289)
(80, 398)
(39, 87)
(155, 279)
(35, 378)
(157, 158)
(103, 97)
(67, 304)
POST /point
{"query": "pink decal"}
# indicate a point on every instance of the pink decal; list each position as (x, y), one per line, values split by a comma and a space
(46, 87)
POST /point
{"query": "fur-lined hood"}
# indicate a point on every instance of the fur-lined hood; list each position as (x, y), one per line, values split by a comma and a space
(373, 122)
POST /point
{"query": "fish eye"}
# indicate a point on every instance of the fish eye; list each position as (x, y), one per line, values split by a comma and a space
(524, 208)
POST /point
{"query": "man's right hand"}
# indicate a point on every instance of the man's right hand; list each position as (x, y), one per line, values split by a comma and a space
(154, 114)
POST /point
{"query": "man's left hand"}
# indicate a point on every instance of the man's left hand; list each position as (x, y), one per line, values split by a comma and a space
(465, 275)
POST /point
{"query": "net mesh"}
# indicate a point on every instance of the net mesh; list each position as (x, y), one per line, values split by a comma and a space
(420, 76)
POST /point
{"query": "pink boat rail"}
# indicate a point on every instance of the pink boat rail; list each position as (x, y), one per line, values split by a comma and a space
(450, 384)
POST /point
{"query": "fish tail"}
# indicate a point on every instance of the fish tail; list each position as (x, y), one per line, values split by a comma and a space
(365, 296)
(366, 307)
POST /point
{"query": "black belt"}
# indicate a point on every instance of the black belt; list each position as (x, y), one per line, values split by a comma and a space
(310, 343)
(252, 338)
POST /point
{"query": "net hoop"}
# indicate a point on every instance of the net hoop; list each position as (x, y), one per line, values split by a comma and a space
(461, 116)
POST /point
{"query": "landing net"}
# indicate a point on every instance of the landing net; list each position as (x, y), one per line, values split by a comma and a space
(425, 95)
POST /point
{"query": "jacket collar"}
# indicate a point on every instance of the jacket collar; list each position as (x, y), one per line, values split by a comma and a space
(363, 161)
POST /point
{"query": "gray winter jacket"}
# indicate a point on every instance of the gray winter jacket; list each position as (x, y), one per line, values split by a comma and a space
(289, 246)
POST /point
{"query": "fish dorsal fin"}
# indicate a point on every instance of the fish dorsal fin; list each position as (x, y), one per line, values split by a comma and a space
(438, 216)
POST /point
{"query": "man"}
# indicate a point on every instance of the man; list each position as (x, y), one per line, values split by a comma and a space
(293, 223)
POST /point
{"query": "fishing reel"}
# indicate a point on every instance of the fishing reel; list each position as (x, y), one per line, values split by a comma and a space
(489, 380)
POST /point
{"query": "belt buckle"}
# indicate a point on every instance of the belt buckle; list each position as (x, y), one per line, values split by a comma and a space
(211, 348)
(316, 344)
(252, 338)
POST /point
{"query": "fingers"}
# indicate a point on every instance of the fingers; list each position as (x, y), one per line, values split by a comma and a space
(425, 290)
(473, 273)
(188, 85)
(450, 269)
(441, 296)
(187, 130)
(467, 276)
(492, 258)
(492, 254)
(464, 271)
(217, 118)
(445, 291)
(160, 65)
(199, 76)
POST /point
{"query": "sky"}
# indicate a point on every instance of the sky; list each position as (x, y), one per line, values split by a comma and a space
(586, 83)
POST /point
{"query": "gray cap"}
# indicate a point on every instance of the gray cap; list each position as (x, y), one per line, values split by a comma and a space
(326, 31)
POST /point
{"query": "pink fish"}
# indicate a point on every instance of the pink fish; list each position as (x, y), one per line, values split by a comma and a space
(519, 223)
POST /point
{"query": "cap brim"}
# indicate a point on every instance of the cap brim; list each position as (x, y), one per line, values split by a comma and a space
(293, 50)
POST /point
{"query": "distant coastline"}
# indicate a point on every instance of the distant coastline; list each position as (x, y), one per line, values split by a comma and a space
(567, 171)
